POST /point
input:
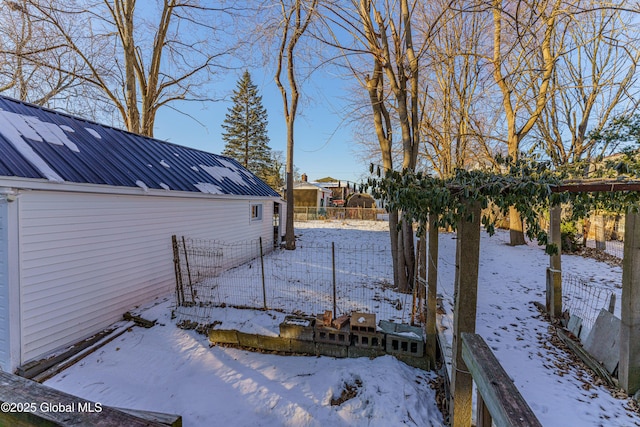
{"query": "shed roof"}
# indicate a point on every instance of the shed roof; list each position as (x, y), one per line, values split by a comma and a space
(39, 143)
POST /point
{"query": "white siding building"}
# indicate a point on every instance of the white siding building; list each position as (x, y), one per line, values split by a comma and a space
(86, 218)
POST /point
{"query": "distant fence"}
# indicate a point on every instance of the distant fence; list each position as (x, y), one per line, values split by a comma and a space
(309, 214)
(309, 280)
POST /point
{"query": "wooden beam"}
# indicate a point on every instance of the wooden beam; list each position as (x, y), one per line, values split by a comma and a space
(28, 403)
(505, 403)
(596, 187)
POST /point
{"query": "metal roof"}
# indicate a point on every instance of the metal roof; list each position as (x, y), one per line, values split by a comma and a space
(44, 144)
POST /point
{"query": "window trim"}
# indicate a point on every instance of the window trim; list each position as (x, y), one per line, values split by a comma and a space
(255, 212)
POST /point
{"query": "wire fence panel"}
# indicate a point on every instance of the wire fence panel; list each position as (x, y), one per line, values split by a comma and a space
(309, 280)
(583, 299)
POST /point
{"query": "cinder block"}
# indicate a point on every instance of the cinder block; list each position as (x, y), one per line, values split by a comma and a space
(403, 339)
(363, 322)
(332, 350)
(328, 335)
(367, 340)
(274, 343)
(223, 336)
(296, 327)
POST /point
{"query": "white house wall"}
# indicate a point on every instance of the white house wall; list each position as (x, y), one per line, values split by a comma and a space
(88, 258)
(5, 346)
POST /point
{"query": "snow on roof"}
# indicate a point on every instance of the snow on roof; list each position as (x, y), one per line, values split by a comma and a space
(42, 144)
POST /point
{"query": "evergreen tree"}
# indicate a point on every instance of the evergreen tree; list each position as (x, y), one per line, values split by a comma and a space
(245, 129)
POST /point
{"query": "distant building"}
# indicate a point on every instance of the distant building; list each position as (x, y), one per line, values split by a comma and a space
(361, 200)
(310, 195)
(340, 190)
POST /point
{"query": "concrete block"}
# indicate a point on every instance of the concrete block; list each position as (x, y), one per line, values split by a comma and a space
(370, 352)
(603, 340)
(223, 336)
(363, 322)
(274, 343)
(296, 327)
(324, 334)
(367, 340)
(403, 339)
(416, 362)
(332, 350)
(302, 347)
(248, 340)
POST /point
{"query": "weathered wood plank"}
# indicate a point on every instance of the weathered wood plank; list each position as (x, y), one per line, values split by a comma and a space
(587, 358)
(501, 397)
(27, 403)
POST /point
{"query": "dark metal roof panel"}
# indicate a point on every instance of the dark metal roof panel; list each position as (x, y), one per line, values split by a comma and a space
(40, 143)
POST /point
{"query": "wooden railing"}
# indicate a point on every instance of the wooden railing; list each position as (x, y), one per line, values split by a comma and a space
(498, 398)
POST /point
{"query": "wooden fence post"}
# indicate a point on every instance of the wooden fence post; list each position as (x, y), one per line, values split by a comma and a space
(601, 243)
(432, 289)
(554, 272)
(186, 260)
(629, 368)
(178, 270)
(464, 315)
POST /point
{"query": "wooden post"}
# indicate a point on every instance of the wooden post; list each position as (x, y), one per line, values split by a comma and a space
(482, 413)
(432, 289)
(186, 260)
(333, 270)
(416, 281)
(178, 270)
(554, 272)
(629, 368)
(601, 243)
(464, 316)
(264, 286)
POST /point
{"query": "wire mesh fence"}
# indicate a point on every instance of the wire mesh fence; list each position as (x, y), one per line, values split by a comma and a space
(309, 280)
(585, 300)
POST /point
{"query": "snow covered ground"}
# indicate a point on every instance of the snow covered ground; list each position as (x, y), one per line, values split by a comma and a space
(167, 369)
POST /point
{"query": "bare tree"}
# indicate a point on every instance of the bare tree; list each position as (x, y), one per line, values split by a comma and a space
(295, 19)
(457, 108)
(523, 61)
(25, 44)
(139, 57)
(593, 82)
(381, 34)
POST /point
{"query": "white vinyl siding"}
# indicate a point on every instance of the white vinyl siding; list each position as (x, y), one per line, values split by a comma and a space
(88, 258)
(5, 352)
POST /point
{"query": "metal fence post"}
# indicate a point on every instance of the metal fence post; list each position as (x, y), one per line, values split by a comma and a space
(333, 269)
(264, 286)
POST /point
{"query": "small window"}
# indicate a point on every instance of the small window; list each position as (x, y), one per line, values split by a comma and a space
(256, 212)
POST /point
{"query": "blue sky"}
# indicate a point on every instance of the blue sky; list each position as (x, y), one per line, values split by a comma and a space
(323, 137)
